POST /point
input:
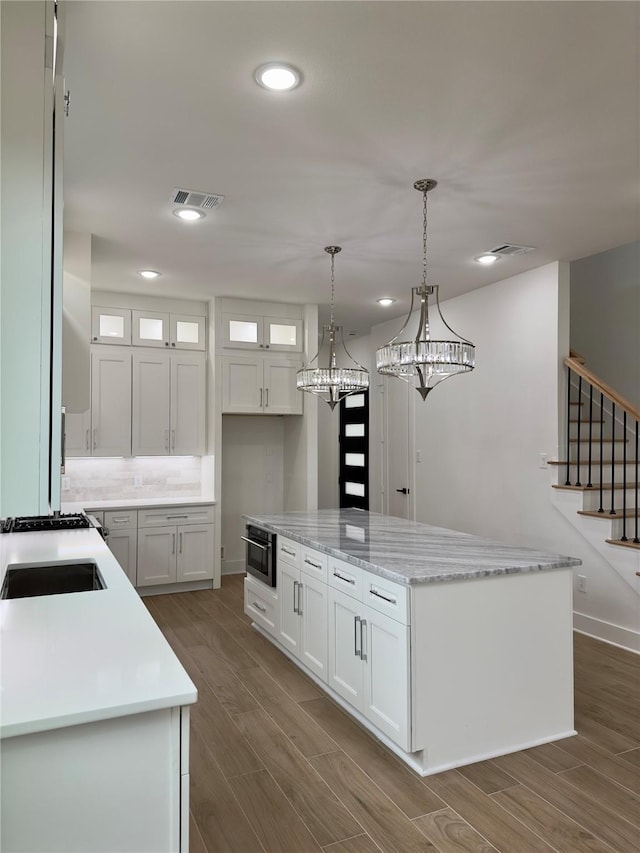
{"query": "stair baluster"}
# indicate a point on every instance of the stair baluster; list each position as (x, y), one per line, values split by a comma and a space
(568, 480)
(613, 457)
(636, 539)
(623, 538)
(601, 507)
(578, 483)
(589, 483)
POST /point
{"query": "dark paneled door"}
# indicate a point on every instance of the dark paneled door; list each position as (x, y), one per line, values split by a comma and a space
(354, 451)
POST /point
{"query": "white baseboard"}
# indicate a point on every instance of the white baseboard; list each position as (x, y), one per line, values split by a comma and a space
(624, 638)
(233, 567)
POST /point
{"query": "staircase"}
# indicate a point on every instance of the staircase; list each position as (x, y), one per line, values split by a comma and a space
(598, 476)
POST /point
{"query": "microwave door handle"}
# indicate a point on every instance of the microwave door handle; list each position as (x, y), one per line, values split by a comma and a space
(257, 544)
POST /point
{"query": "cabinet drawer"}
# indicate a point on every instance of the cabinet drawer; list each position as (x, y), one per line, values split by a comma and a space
(314, 563)
(261, 604)
(175, 515)
(121, 519)
(289, 551)
(386, 597)
(345, 577)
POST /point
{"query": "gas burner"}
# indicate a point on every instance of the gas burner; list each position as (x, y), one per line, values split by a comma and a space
(38, 523)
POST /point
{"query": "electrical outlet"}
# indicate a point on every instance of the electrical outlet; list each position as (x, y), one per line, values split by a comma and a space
(582, 583)
(542, 461)
(137, 480)
(65, 483)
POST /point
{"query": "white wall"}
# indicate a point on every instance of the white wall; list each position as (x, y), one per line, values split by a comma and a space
(480, 435)
(605, 316)
(76, 322)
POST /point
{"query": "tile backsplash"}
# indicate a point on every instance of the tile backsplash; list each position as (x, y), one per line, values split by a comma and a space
(137, 477)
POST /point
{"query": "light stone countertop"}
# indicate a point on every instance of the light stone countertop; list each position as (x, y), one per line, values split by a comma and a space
(80, 657)
(405, 551)
(134, 503)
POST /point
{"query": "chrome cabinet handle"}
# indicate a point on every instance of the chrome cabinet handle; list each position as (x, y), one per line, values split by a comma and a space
(375, 592)
(184, 515)
(311, 563)
(259, 607)
(173, 543)
(87, 440)
(357, 651)
(173, 439)
(287, 551)
(63, 441)
(266, 397)
(363, 625)
(166, 440)
(300, 588)
(295, 590)
(180, 542)
(95, 438)
(342, 578)
(261, 398)
(257, 544)
(121, 520)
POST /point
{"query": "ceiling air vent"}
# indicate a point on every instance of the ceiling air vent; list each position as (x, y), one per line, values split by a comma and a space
(511, 249)
(196, 198)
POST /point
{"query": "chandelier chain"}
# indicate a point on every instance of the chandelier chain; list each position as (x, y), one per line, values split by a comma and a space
(424, 238)
(333, 288)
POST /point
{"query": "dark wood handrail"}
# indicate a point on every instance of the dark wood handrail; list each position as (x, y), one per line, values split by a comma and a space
(579, 368)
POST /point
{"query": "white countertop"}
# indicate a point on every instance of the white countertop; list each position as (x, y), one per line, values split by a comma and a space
(133, 503)
(80, 657)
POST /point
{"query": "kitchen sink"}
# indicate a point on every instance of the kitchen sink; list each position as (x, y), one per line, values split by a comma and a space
(25, 580)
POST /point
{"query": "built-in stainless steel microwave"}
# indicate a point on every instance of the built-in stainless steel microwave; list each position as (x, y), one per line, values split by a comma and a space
(261, 554)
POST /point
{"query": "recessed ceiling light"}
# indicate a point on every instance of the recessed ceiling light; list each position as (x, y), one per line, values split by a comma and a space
(149, 273)
(277, 76)
(487, 259)
(386, 300)
(189, 214)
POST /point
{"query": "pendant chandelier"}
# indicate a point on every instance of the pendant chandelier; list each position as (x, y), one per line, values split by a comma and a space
(332, 383)
(429, 361)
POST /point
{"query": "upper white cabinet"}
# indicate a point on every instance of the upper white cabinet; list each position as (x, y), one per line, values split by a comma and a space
(252, 331)
(161, 329)
(111, 326)
(169, 398)
(110, 401)
(252, 384)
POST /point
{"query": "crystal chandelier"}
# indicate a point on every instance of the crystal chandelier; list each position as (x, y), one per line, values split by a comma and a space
(429, 361)
(332, 383)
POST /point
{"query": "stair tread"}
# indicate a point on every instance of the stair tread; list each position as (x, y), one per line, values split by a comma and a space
(598, 440)
(628, 544)
(593, 488)
(593, 513)
(584, 421)
(594, 462)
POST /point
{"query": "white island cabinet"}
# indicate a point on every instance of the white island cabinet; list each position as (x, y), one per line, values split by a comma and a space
(94, 713)
(449, 648)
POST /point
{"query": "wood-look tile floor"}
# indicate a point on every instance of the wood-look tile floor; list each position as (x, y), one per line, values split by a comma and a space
(277, 767)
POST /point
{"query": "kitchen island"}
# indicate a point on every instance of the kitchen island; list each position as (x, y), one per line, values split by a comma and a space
(94, 712)
(448, 647)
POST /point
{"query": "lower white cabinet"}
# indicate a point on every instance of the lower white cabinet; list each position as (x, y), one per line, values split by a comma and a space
(302, 622)
(369, 664)
(261, 603)
(175, 545)
(123, 544)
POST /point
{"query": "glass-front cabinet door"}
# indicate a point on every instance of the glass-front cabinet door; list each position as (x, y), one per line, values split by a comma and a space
(187, 331)
(242, 331)
(282, 334)
(111, 326)
(247, 331)
(150, 329)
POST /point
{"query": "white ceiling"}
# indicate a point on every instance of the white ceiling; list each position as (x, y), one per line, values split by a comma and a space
(525, 113)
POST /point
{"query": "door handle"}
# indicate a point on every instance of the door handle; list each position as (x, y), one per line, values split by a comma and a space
(95, 438)
(363, 625)
(259, 607)
(357, 651)
(300, 586)
(266, 398)
(295, 590)
(173, 543)
(180, 542)
(403, 491)
(87, 441)
(261, 398)
(257, 544)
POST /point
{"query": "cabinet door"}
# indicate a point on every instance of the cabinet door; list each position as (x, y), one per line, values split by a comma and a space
(282, 334)
(241, 384)
(187, 331)
(345, 670)
(385, 653)
(111, 326)
(242, 331)
(313, 629)
(150, 329)
(157, 555)
(124, 547)
(150, 423)
(288, 599)
(195, 552)
(77, 430)
(188, 404)
(281, 397)
(111, 401)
